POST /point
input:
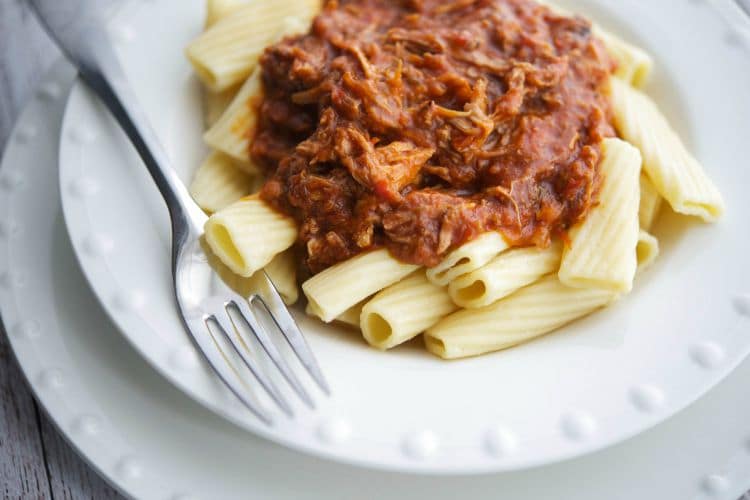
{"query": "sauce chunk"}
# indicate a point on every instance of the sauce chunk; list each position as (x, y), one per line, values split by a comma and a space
(417, 125)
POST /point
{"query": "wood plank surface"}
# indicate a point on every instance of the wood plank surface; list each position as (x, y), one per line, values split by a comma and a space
(70, 478)
(22, 469)
(35, 461)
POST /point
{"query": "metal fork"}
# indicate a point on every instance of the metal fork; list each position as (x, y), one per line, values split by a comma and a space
(205, 301)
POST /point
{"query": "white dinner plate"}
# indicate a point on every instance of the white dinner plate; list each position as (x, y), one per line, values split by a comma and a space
(593, 383)
(152, 442)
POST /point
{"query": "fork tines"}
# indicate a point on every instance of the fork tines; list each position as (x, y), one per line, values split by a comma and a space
(225, 311)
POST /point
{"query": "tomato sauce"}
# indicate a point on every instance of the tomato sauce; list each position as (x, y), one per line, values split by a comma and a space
(417, 125)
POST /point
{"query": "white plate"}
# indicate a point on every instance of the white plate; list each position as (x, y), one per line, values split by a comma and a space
(592, 384)
(154, 443)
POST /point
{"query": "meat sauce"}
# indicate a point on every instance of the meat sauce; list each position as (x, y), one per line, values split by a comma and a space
(417, 125)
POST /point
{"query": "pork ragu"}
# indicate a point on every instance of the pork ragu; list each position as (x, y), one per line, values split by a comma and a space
(419, 124)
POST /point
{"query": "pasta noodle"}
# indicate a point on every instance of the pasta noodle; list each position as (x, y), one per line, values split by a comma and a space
(467, 258)
(248, 234)
(677, 176)
(218, 183)
(228, 52)
(215, 103)
(532, 311)
(216, 10)
(633, 63)
(646, 250)
(483, 296)
(279, 272)
(650, 205)
(404, 310)
(336, 289)
(503, 275)
(350, 317)
(282, 270)
(232, 132)
(602, 247)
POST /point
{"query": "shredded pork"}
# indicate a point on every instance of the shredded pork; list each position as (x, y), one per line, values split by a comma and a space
(419, 124)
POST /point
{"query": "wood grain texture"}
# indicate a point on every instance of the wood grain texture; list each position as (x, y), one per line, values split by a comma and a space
(70, 478)
(22, 468)
(35, 461)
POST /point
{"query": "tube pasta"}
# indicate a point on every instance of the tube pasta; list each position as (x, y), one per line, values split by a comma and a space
(403, 311)
(602, 247)
(646, 250)
(216, 103)
(228, 52)
(633, 63)
(483, 296)
(350, 317)
(310, 311)
(532, 311)
(467, 258)
(282, 270)
(216, 10)
(247, 234)
(677, 176)
(232, 132)
(503, 275)
(218, 183)
(336, 289)
(650, 204)
(279, 272)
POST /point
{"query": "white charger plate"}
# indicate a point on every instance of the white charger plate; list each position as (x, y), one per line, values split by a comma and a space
(152, 442)
(588, 386)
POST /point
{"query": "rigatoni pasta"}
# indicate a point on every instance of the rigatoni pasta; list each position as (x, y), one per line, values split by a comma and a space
(646, 250)
(650, 204)
(282, 271)
(532, 311)
(400, 258)
(248, 234)
(219, 182)
(340, 287)
(503, 275)
(232, 132)
(467, 258)
(349, 318)
(675, 173)
(404, 310)
(216, 10)
(602, 248)
(227, 52)
(633, 63)
(216, 103)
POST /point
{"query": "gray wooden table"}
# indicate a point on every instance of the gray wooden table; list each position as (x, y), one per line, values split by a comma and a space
(35, 461)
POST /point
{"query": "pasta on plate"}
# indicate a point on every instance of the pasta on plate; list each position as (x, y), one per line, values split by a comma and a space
(479, 173)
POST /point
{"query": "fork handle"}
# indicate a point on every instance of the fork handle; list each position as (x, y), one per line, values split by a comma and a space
(102, 73)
